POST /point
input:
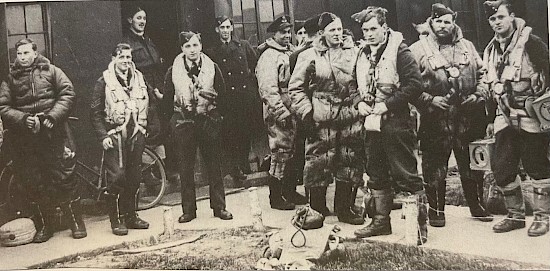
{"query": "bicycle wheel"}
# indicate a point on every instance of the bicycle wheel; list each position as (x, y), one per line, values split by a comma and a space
(12, 198)
(153, 180)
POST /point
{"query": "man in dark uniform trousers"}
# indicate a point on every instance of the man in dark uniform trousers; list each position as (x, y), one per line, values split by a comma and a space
(237, 61)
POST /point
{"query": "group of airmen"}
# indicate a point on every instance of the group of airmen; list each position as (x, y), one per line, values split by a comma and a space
(333, 110)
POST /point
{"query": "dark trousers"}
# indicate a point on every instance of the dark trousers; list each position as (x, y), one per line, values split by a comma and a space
(236, 138)
(511, 146)
(203, 133)
(125, 180)
(43, 163)
(391, 162)
(436, 151)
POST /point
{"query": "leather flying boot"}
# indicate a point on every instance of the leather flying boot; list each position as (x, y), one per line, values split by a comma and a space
(131, 218)
(42, 218)
(276, 199)
(318, 200)
(380, 223)
(289, 191)
(422, 217)
(471, 193)
(133, 221)
(541, 212)
(516, 212)
(433, 212)
(118, 226)
(343, 204)
(73, 210)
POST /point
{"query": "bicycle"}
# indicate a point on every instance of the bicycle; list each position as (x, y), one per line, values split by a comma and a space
(153, 182)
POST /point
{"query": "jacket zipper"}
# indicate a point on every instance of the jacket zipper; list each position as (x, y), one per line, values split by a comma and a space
(32, 89)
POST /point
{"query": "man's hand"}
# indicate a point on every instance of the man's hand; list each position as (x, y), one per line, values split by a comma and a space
(470, 99)
(490, 131)
(440, 102)
(107, 143)
(364, 109)
(379, 109)
(158, 94)
(48, 123)
(30, 122)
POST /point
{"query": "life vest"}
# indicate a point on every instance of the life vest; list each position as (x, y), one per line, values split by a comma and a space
(190, 95)
(516, 75)
(120, 105)
(385, 78)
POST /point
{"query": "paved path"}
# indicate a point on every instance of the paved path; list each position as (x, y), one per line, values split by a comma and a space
(461, 235)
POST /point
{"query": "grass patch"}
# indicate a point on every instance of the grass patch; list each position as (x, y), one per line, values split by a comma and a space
(385, 256)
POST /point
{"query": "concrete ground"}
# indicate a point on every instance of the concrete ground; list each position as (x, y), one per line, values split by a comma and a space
(461, 235)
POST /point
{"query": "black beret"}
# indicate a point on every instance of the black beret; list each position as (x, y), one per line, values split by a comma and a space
(185, 36)
(221, 19)
(279, 24)
(439, 10)
(491, 7)
(311, 25)
(298, 26)
(325, 19)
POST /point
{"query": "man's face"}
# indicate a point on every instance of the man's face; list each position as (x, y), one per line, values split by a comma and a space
(26, 55)
(301, 35)
(123, 60)
(333, 33)
(373, 32)
(192, 49)
(502, 21)
(443, 26)
(282, 37)
(225, 29)
(138, 21)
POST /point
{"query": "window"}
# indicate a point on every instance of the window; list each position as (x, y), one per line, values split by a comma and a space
(252, 17)
(27, 21)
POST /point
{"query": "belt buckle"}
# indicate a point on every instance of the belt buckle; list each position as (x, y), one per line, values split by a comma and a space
(454, 72)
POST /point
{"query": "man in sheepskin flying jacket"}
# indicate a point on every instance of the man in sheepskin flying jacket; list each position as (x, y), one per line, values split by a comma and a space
(35, 102)
(324, 94)
(452, 111)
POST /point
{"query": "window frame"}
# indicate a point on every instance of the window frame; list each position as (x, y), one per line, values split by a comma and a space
(257, 23)
(46, 26)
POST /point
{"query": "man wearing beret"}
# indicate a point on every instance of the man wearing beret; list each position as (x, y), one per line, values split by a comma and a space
(273, 73)
(388, 79)
(193, 104)
(452, 111)
(237, 61)
(324, 95)
(517, 73)
(311, 29)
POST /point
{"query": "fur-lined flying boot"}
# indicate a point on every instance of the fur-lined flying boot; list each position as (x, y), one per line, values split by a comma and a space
(276, 199)
(74, 210)
(343, 205)
(318, 200)
(471, 193)
(541, 212)
(380, 223)
(42, 218)
(117, 219)
(516, 212)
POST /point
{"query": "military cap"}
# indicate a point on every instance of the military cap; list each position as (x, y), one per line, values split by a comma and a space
(185, 36)
(369, 13)
(279, 24)
(439, 10)
(325, 19)
(221, 19)
(491, 7)
(311, 25)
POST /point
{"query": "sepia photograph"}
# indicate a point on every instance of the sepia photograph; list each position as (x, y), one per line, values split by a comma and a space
(275, 135)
